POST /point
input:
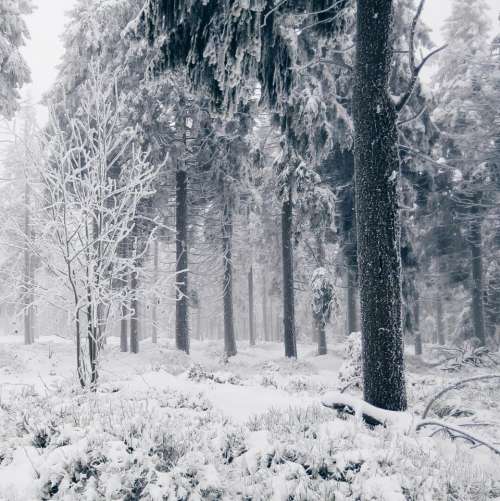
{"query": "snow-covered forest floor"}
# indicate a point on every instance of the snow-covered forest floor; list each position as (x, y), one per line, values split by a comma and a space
(164, 425)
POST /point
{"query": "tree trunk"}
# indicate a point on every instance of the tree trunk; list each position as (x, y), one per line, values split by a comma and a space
(251, 315)
(352, 310)
(320, 323)
(416, 325)
(181, 306)
(288, 290)
(227, 291)
(124, 329)
(265, 324)
(475, 239)
(134, 319)
(377, 173)
(154, 312)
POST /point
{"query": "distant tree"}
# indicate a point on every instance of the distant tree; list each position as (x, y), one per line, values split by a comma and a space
(463, 115)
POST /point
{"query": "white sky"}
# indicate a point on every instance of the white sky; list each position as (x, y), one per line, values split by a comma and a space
(47, 24)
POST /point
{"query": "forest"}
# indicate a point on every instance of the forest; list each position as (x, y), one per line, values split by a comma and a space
(251, 251)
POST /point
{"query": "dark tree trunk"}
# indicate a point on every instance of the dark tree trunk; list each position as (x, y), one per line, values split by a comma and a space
(227, 291)
(377, 217)
(265, 324)
(181, 306)
(475, 240)
(352, 307)
(288, 290)
(154, 312)
(134, 319)
(124, 329)
(416, 326)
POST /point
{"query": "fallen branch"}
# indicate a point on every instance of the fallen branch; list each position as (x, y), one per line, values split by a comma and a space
(371, 414)
(454, 386)
(461, 434)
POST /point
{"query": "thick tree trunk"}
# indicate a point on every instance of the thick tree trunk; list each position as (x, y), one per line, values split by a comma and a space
(154, 312)
(181, 306)
(251, 314)
(134, 319)
(475, 239)
(377, 217)
(288, 285)
(227, 291)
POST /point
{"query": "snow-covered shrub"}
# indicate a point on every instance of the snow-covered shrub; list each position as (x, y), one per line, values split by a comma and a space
(232, 443)
(324, 300)
(198, 373)
(350, 374)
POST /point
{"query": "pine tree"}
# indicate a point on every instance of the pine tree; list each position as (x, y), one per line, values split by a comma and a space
(14, 71)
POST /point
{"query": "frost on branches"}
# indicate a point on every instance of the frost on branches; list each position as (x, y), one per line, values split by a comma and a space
(14, 71)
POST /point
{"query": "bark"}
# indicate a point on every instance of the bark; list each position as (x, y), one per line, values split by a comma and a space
(288, 285)
(377, 217)
(154, 312)
(352, 308)
(227, 284)
(134, 319)
(416, 326)
(181, 306)
(251, 314)
(475, 239)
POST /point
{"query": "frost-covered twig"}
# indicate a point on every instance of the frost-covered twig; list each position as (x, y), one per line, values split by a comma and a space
(456, 385)
(460, 433)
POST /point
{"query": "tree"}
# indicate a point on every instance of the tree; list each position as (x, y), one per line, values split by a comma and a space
(94, 181)
(377, 174)
(14, 71)
(464, 116)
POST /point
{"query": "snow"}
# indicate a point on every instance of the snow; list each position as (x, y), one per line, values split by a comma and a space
(175, 426)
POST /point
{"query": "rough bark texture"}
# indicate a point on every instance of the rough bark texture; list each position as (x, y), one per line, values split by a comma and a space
(181, 307)
(288, 291)
(134, 319)
(378, 227)
(251, 313)
(440, 325)
(475, 240)
(227, 237)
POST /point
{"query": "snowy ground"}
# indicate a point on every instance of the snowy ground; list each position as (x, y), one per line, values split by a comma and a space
(167, 426)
